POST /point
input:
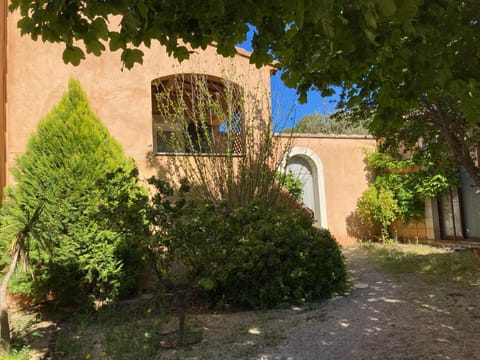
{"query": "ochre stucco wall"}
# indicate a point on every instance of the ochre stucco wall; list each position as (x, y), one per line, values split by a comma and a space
(345, 176)
(122, 100)
(37, 78)
(3, 76)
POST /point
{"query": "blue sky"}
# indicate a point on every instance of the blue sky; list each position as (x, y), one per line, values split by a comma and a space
(286, 109)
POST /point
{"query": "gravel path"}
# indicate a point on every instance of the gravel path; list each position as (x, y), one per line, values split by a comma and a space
(388, 316)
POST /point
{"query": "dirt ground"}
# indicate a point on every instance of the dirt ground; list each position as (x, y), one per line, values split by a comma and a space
(388, 316)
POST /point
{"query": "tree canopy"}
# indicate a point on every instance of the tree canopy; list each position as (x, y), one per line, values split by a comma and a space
(438, 131)
(390, 52)
(340, 123)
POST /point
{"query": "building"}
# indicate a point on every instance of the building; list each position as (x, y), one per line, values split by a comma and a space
(33, 78)
(453, 217)
(333, 171)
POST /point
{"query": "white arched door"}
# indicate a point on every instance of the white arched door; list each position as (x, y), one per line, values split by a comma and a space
(306, 165)
(301, 169)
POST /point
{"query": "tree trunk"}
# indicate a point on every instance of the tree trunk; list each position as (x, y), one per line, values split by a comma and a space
(456, 143)
(4, 323)
(461, 153)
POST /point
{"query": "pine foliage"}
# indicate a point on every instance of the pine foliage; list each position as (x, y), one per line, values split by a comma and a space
(94, 208)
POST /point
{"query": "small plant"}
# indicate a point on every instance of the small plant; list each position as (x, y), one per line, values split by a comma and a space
(21, 227)
(378, 208)
(21, 354)
(292, 183)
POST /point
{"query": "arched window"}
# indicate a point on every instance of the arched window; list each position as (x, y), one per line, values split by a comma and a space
(197, 114)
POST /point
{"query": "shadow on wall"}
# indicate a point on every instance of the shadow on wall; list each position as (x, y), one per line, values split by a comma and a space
(357, 229)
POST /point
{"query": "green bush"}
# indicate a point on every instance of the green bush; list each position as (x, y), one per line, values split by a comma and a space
(292, 183)
(281, 258)
(398, 189)
(249, 256)
(378, 208)
(411, 181)
(94, 215)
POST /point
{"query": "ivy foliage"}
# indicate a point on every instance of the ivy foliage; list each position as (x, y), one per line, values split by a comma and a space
(250, 255)
(399, 187)
(93, 215)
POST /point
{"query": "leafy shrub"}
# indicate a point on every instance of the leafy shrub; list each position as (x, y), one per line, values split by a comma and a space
(378, 208)
(411, 181)
(94, 209)
(251, 255)
(281, 258)
(399, 188)
(292, 183)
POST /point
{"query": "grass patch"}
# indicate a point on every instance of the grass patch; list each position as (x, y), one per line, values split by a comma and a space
(24, 332)
(21, 354)
(111, 333)
(433, 261)
(138, 332)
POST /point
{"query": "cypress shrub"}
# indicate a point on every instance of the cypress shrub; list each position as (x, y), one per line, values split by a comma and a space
(94, 215)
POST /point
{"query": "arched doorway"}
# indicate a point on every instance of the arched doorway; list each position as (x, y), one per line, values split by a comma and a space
(307, 166)
(299, 166)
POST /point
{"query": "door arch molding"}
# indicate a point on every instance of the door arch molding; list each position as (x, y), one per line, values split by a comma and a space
(316, 168)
